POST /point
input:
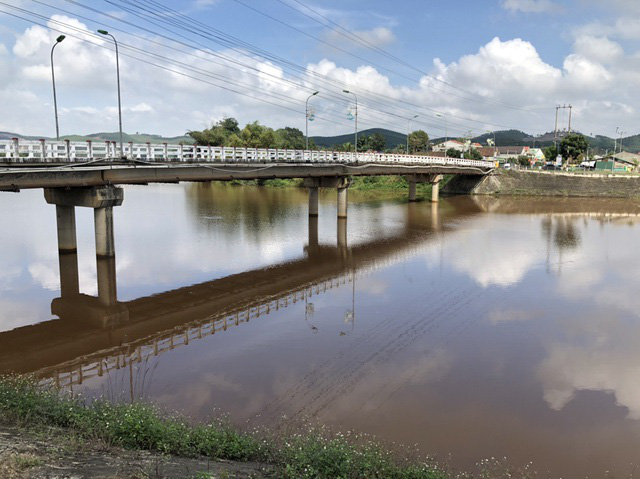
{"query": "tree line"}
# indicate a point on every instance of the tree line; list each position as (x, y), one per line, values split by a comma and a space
(227, 132)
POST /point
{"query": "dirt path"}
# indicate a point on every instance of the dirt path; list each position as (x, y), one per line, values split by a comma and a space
(57, 454)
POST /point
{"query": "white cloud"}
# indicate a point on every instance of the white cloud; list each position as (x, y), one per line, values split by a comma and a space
(203, 4)
(531, 6)
(377, 37)
(598, 49)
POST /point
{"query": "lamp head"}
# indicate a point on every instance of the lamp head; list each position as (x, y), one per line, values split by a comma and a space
(415, 116)
(60, 38)
(346, 91)
(315, 93)
(103, 32)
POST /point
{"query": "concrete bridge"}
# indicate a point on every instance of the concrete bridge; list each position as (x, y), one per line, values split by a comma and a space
(97, 334)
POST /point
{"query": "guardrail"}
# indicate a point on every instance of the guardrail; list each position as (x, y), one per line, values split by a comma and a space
(44, 151)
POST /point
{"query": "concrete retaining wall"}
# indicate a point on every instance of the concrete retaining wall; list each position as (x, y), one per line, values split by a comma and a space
(534, 183)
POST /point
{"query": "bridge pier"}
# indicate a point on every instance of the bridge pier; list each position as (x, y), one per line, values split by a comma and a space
(69, 278)
(102, 199)
(435, 188)
(313, 201)
(313, 233)
(342, 202)
(341, 183)
(412, 191)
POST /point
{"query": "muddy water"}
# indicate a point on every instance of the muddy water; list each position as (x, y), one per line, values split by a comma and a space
(478, 328)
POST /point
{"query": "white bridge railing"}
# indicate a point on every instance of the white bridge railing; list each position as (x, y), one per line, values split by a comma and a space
(44, 151)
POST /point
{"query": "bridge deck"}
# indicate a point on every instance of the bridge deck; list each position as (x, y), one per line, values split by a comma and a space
(40, 164)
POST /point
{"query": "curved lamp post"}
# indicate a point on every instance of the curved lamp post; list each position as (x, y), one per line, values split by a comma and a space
(53, 78)
(408, 123)
(106, 33)
(306, 112)
(355, 147)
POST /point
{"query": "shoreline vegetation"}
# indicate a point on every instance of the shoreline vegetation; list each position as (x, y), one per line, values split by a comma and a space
(390, 183)
(315, 452)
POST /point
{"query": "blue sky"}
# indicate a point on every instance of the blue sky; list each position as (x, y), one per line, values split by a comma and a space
(459, 65)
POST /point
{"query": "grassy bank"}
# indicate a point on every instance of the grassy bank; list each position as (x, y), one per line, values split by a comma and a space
(358, 183)
(316, 453)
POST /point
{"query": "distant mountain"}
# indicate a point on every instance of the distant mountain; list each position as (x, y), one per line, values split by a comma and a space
(104, 136)
(392, 138)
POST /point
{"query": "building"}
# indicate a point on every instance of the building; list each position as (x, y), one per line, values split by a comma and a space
(446, 145)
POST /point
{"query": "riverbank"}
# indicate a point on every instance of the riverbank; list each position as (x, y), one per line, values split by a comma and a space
(390, 183)
(547, 183)
(42, 430)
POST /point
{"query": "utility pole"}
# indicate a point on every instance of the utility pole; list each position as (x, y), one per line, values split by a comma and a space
(555, 130)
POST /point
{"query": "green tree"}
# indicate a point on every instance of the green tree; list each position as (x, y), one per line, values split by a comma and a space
(377, 142)
(453, 153)
(255, 135)
(229, 125)
(550, 153)
(218, 134)
(572, 146)
(290, 138)
(472, 154)
(418, 141)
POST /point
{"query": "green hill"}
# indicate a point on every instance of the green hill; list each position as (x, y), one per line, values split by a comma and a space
(392, 138)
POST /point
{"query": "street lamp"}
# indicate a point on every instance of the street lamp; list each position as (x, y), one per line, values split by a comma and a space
(106, 33)
(306, 111)
(446, 127)
(355, 147)
(53, 78)
(408, 123)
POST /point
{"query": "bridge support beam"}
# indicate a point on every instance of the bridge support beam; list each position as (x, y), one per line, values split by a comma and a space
(102, 199)
(313, 233)
(341, 183)
(435, 188)
(342, 203)
(66, 222)
(107, 289)
(412, 191)
(105, 243)
(69, 278)
(342, 234)
(313, 201)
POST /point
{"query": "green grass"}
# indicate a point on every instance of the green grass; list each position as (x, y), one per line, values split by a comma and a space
(316, 453)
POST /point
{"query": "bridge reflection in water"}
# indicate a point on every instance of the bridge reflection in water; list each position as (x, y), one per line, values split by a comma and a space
(95, 335)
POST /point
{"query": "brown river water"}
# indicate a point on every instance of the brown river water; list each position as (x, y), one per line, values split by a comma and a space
(473, 329)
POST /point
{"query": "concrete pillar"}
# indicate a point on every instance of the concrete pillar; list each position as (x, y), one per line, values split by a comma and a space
(435, 188)
(67, 147)
(313, 201)
(107, 289)
(166, 151)
(412, 191)
(89, 149)
(69, 279)
(16, 148)
(342, 234)
(105, 244)
(435, 218)
(342, 202)
(43, 149)
(66, 221)
(313, 232)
